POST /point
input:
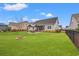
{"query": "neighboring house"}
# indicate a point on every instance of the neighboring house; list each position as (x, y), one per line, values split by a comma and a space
(46, 24)
(3, 27)
(41, 25)
(74, 23)
(18, 26)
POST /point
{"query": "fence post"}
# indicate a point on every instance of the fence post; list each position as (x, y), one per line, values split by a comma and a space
(73, 36)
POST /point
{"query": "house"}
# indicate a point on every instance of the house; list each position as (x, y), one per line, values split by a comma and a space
(45, 24)
(18, 26)
(74, 23)
(41, 25)
(3, 27)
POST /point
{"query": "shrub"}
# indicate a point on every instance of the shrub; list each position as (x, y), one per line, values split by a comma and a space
(53, 31)
(5, 29)
(58, 30)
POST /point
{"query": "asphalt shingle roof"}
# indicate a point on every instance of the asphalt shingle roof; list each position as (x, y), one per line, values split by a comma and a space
(76, 16)
(47, 21)
(50, 21)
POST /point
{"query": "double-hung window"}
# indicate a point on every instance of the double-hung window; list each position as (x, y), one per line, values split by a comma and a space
(49, 27)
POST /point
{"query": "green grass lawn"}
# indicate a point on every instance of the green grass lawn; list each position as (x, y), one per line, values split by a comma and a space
(37, 44)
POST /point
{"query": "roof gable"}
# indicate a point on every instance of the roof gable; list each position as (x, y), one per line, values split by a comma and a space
(51, 21)
(76, 16)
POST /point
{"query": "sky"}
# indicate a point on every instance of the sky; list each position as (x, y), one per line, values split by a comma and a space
(17, 12)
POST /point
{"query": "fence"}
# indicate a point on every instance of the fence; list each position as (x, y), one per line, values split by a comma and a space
(74, 36)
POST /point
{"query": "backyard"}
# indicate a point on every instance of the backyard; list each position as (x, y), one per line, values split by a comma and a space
(36, 44)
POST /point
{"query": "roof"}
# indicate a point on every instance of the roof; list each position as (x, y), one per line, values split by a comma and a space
(13, 23)
(50, 21)
(24, 22)
(47, 21)
(76, 16)
(2, 24)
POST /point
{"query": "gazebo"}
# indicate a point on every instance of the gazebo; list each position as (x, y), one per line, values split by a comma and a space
(34, 27)
(31, 28)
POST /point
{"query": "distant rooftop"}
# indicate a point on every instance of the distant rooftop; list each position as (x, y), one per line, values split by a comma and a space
(18, 22)
(2, 24)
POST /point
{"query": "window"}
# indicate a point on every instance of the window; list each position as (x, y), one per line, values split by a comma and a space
(49, 27)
